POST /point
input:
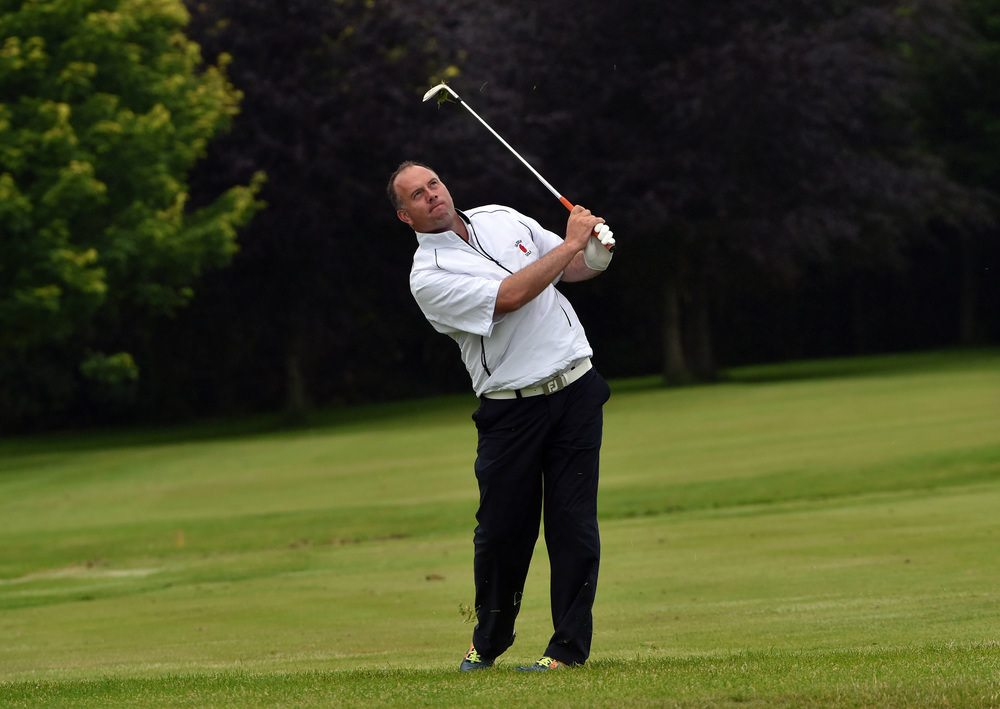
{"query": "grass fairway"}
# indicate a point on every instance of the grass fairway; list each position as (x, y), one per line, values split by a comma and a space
(821, 534)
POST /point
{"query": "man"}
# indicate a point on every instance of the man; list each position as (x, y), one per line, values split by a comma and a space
(486, 278)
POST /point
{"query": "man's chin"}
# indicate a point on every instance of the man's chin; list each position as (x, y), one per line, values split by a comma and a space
(441, 221)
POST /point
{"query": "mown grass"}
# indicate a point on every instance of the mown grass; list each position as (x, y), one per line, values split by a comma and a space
(930, 677)
(812, 534)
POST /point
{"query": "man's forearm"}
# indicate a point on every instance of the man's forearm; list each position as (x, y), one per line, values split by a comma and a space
(521, 287)
(578, 270)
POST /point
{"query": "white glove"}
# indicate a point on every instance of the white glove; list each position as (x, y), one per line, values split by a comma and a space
(596, 253)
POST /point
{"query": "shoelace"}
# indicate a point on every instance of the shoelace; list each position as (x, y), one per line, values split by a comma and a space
(473, 656)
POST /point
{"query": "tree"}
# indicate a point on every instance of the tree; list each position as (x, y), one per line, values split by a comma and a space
(103, 112)
(308, 312)
(958, 117)
(733, 147)
(759, 152)
(771, 138)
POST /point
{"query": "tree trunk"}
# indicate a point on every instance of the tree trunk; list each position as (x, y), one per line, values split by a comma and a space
(861, 316)
(968, 316)
(675, 370)
(702, 350)
(296, 401)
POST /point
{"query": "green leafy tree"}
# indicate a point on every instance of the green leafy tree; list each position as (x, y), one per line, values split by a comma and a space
(310, 311)
(105, 107)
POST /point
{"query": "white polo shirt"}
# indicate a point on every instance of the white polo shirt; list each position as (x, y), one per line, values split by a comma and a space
(455, 283)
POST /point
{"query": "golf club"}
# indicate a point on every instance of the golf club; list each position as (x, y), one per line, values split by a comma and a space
(451, 92)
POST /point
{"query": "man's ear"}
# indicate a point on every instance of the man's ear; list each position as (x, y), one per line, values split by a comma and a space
(404, 216)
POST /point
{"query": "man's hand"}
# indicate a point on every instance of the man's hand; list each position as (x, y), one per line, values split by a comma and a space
(580, 226)
(597, 253)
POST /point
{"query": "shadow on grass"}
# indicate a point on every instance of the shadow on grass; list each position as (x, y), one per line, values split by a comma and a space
(868, 366)
(463, 405)
(236, 427)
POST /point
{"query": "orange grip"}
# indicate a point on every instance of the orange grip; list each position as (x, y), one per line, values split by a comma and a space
(569, 205)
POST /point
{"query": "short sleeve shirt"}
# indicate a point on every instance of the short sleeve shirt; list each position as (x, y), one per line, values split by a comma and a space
(455, 283)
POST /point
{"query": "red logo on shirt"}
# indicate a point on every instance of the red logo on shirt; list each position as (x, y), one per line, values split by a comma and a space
(523, 248)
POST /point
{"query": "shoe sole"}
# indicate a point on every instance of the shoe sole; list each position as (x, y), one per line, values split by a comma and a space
(473, 668)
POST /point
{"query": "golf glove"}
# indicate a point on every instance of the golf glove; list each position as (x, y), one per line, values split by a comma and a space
(596, 254)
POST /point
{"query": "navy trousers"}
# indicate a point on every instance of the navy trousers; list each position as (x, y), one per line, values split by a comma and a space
(539, 455)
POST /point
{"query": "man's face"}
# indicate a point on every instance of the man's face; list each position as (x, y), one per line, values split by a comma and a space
(427, 204)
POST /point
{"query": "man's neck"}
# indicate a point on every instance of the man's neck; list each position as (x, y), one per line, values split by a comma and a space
(460, 225)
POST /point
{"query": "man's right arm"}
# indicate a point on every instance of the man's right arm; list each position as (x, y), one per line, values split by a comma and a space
(521, 287)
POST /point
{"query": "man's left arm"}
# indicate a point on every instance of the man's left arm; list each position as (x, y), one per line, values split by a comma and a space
(578, 270)
(593, 259)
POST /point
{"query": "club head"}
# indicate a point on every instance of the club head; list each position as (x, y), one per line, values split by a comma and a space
(438, 89)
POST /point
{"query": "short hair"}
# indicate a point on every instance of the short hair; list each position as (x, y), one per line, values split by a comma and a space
(390, 188)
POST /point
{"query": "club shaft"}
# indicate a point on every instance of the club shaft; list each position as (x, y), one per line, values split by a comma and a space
(566, 203)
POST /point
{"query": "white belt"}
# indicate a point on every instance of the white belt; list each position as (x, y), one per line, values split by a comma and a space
(549, 386)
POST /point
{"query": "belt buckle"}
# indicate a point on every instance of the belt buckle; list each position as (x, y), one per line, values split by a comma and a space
(554, 385)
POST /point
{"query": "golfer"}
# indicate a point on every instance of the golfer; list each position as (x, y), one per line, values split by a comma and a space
(486, 278)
